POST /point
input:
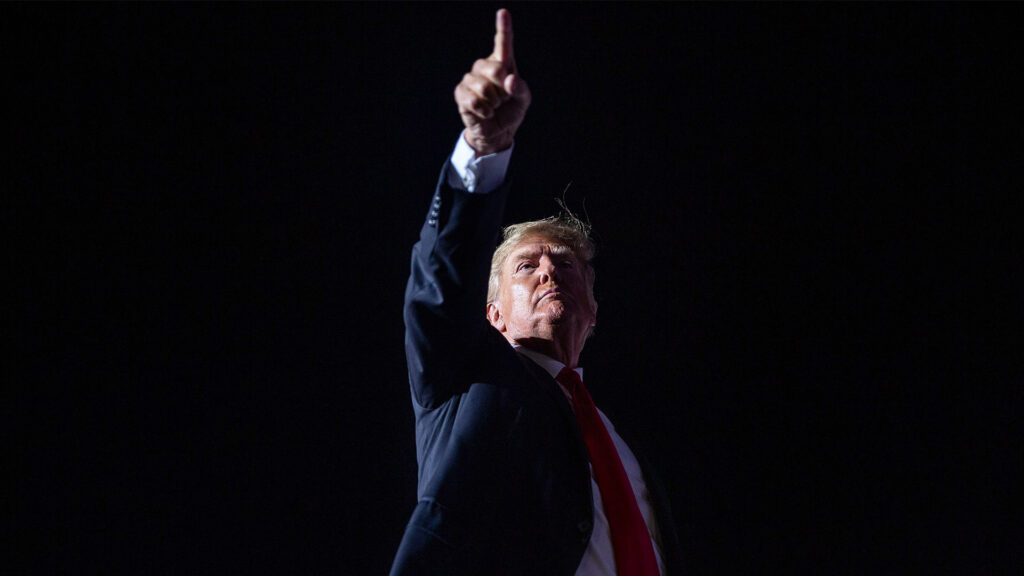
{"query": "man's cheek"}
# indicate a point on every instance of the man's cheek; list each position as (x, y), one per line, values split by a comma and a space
(520, 294)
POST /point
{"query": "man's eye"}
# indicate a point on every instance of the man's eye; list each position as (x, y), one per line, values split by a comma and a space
(525, 266)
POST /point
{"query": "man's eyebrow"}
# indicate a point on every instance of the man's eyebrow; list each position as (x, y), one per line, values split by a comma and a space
(533, 251)
(524, 254)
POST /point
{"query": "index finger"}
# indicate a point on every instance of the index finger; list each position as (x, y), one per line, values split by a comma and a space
(503, 38)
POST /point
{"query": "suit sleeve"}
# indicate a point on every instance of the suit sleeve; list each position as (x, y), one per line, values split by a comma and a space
(446, 296)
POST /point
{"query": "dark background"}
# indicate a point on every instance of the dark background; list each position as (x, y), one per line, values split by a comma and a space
(807, 218)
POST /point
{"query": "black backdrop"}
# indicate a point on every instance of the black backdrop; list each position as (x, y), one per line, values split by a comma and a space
(808, 252)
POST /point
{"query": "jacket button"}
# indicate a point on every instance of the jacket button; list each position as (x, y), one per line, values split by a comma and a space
(584, 526)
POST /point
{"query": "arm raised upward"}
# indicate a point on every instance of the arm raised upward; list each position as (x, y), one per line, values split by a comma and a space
(445, 300)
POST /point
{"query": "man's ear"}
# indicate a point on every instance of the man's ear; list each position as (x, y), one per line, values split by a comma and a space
(495, 318)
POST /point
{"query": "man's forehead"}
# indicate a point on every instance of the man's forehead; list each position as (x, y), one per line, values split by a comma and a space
(540, 245)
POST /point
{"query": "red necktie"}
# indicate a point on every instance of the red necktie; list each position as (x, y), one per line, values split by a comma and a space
(634, 554)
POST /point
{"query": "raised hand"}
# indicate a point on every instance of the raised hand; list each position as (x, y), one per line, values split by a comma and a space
(492, 98)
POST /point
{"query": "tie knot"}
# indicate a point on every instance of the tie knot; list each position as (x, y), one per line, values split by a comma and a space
(571, 380)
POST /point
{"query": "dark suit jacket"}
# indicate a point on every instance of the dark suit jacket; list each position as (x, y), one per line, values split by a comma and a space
(504, 484)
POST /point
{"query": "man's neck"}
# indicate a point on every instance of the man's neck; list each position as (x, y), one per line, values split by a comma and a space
(566, 354)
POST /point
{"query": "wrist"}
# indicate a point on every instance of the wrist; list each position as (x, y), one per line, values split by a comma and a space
(476, 173)
(484, 146)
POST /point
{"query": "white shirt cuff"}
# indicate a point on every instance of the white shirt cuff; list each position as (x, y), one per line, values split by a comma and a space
(477, 175)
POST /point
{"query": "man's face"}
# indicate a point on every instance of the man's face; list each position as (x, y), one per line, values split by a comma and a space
(544, 290)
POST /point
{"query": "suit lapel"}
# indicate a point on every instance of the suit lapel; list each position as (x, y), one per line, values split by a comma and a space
(550, 388)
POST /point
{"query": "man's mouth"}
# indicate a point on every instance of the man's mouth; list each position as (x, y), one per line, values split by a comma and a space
(553, 292)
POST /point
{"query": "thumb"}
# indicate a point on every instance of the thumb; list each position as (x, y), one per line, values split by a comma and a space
(515, 86)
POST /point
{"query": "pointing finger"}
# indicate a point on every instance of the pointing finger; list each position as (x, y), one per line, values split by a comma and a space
(503, 38)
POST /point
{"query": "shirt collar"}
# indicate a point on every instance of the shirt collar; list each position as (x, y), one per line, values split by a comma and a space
(549, 364)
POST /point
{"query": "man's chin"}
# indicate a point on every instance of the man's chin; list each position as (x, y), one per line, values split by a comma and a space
(556, 310)
(558, 314)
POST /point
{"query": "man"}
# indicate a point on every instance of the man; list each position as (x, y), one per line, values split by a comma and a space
(519, 473)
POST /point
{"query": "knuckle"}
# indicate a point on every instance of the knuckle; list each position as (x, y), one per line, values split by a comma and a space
(468, 101)
(488, 68)
(478, 84)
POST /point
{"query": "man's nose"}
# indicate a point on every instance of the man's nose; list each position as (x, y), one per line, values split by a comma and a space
(548, 271)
